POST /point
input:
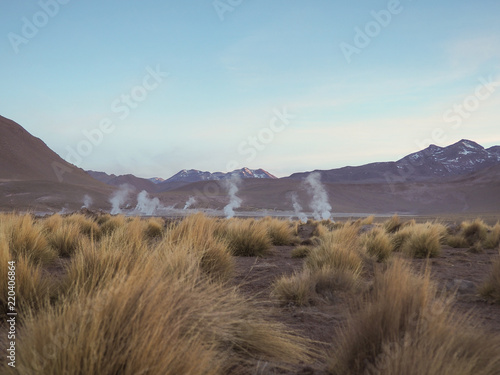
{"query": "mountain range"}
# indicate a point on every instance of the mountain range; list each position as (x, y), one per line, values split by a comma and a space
(433, 163)
(34, 177)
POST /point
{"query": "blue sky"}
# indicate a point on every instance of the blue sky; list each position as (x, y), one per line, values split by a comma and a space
(152, 87)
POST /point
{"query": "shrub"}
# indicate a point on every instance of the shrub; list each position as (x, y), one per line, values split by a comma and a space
(491, 287)
(301, 251)
(403, 327)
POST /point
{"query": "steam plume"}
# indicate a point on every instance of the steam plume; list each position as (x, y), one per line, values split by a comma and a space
(119, 198)
(234, 201)
(298, 209)
(87, 201)
(146, 205)
(189, 202)
(319, 203)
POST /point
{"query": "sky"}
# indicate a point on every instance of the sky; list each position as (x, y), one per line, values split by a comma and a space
(152, 87)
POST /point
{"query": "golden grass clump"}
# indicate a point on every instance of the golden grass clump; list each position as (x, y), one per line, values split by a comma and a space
(420, 240)
(393, 224)
(474, 231)
(27, 239)
(109, 224)
(298, 288)
(378, 244)
(86, 225)
(493, 237)
(338, 250)
(159, 324)
(196, 234)
(456, 241)
(367, 220)
(280, 231)
(402, 327)
(246, 237)
(95, 264)
(154, 228)
(491, 286)
(32, 288)
(334, 265)
(65, 239)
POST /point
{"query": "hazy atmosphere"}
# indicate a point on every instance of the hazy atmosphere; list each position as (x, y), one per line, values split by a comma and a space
(153, 87)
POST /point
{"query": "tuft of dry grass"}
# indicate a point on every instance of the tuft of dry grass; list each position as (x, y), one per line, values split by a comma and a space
(378, 244)
(27, 239)
(367, 220)
(334, 265)
(493, 237)
(421, 240)
(65, 239)
(87, 225)
(32, 287)
(337, 250)
(298, 288)
(403, 327)
(108, 223)
(196, 235)
(154, 228)
(393, 224)
(474, 231)
(245, 237)
(491, 286)
(280, 231)
(457, 241)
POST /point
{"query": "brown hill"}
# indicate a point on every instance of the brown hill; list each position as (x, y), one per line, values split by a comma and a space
(24, 157)
(34, 177)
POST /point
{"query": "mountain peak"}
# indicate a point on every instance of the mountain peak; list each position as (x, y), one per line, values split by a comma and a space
(468, 144)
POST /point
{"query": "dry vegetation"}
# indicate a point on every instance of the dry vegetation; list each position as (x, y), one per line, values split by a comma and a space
(114, 295)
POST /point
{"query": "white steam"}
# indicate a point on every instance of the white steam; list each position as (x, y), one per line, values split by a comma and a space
(87, 201)
(319, 203)
(234, 201)
(119, 198)
(298, 209)
(146, 205)
(189, 202)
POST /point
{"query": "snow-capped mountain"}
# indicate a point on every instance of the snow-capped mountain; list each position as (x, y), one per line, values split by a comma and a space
(156, 180)
(434, 162)
(194, 175)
